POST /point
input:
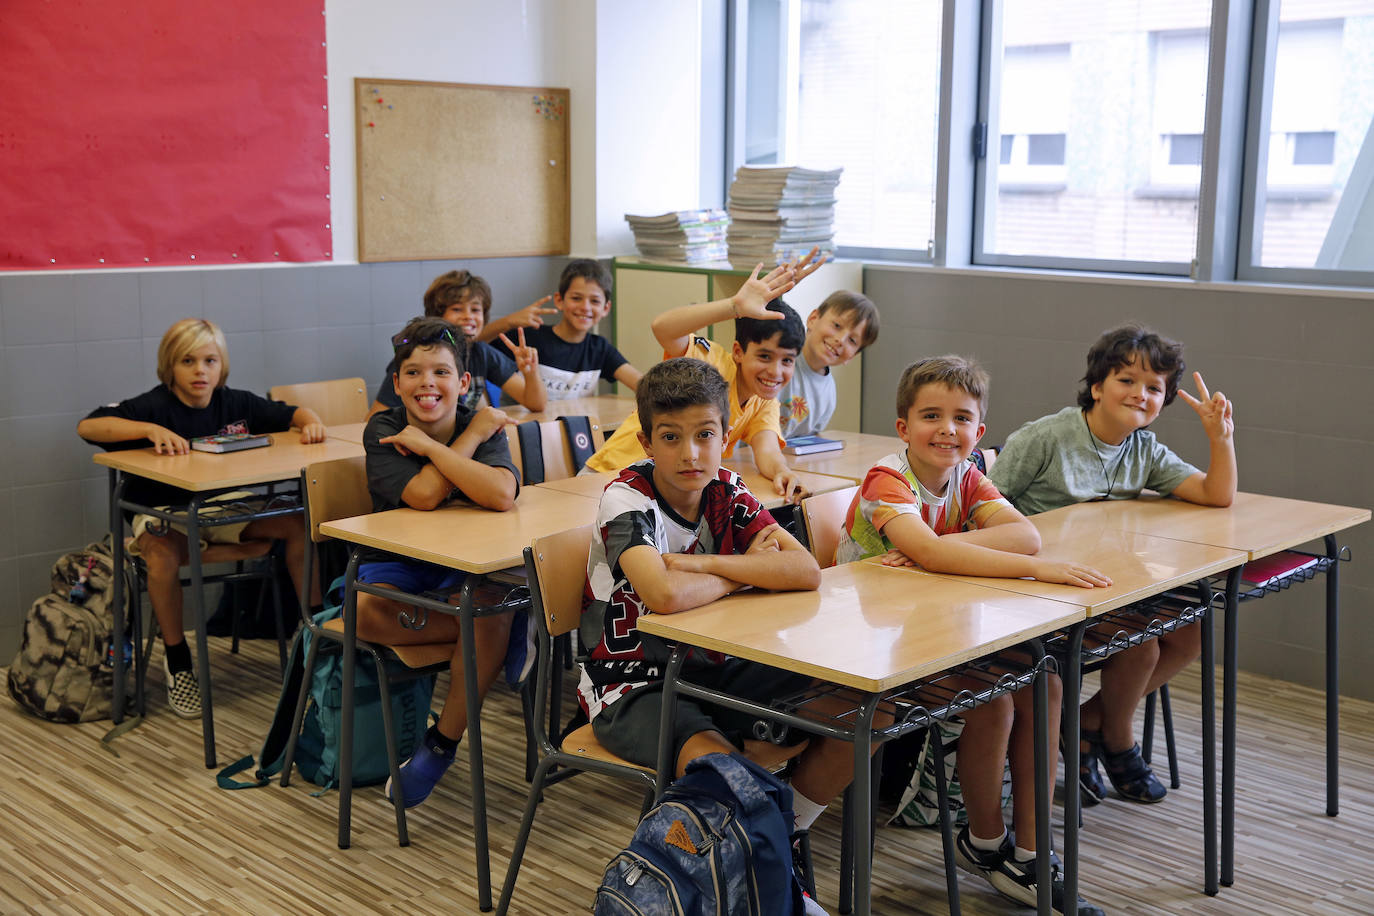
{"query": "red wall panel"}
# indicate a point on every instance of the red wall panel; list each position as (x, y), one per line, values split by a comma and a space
(157, 132)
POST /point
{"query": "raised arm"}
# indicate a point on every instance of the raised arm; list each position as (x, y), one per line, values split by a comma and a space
(1217, 487)
(675, 327)
(531, 316)
(526, 385)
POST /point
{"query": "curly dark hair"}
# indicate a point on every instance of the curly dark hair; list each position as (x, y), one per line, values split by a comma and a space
(1124, 345)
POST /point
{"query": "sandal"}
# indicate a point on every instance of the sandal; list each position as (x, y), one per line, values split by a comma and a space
(1132, 776)
(1091, 788)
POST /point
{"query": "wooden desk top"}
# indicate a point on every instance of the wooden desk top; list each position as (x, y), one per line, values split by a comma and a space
(348, 432)
(593, 484)
(861, 451)
(1140, 565)
(201, 471)
(867, 627)
(467, 537)
(608, 410)
(1257, 524)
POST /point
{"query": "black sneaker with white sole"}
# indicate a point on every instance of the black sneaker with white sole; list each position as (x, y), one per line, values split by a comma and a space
(1012, 879)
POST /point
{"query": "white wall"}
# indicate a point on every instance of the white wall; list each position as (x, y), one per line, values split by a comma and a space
(634, 70)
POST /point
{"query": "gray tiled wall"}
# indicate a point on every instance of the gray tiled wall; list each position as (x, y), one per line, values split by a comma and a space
(69, 342)
(1297, 364)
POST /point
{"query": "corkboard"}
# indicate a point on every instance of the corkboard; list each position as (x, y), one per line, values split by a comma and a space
(450, 170)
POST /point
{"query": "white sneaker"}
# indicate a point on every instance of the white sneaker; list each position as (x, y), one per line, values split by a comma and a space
(183, 692)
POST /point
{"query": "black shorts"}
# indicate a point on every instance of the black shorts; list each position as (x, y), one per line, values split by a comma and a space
(628, 727)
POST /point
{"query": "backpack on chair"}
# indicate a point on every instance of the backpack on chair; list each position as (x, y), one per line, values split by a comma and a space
(64, 672)
(718, 842)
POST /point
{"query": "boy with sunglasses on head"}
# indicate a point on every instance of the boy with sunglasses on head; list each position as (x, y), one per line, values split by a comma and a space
(463, 300)
(422, 454)
(1100, 448)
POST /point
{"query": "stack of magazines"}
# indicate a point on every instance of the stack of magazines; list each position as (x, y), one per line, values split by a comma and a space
(686, 236)
(778, 213)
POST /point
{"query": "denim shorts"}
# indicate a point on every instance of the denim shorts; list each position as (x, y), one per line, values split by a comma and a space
(413, 576)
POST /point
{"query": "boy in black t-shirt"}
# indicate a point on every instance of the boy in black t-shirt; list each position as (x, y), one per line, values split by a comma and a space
(192, 401)
(420, 455)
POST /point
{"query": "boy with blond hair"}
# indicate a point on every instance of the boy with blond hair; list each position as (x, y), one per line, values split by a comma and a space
(927, 505)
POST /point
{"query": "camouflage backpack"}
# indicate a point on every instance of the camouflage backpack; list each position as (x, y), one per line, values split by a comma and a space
(60, 672)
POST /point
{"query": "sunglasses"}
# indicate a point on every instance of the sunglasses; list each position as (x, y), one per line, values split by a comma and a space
(400, 339)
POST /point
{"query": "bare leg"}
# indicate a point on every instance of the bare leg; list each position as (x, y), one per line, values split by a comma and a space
(1112, 710)
(163, 556)
(491, 635)
(982, 755)
(1177, 650)
(291, 530)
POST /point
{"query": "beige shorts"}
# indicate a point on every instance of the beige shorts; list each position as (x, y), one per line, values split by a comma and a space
(233, 502)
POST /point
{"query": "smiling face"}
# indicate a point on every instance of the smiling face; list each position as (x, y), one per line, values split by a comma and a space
(467, 313)
(764, 368)
(832, 339)
(940, 430)
(685, 445)
(430, 386)
(196, 375)
(1129, 398)
(583, 305)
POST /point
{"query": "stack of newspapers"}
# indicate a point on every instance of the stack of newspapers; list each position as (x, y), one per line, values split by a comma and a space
(778, 213)
(686, 236)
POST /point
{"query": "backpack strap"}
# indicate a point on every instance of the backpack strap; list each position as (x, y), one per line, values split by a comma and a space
(578, 431)
(531, 452)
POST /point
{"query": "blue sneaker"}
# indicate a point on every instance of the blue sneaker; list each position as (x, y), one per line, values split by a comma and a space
(420, 774)
(520, 650)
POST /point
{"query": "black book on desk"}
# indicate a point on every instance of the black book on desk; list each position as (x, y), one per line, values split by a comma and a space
(233, 442)
(807, 445)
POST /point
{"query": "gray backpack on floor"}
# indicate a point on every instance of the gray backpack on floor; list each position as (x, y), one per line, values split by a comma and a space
(61, 671)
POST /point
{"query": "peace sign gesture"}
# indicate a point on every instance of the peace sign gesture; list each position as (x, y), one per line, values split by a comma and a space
(1213, 409)
(526, 358)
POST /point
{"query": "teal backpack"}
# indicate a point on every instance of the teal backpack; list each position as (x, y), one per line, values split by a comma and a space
(317, 748)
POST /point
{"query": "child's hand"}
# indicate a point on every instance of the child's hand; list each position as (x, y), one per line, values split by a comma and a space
(531, 316)
(807, 265)
(488, 421)
(410, 441)
(788, 485)
(166, 442)
(1070, 574)
(313, 432)
(1213, 409)
(526, 358)
(766, 540)
(895, 557)
(753, 297)
(684, 562)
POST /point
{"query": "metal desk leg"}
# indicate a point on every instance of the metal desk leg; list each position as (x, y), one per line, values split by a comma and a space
(1333, 686)
(474, 737)
(117, 598)
(1041, 717)
(207, 706)
(1073, 678)
(861, 793)
(667, 720)
(350, 655)
(1230, 662)
(1209, 737)
(946, 827)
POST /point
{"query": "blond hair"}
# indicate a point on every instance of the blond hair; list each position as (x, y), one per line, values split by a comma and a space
(187, 335)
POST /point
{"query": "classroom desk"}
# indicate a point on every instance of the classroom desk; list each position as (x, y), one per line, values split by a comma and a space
(476, 541)
(861, 451)
(593, 484)
(1258, 525)
(1141, 566)
(607, 410)
(204, 474)
(866, 628)
(347, 432)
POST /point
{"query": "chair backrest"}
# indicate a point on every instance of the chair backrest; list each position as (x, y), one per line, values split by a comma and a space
(553, 458)
(337, 401)
(824, 517)
(332, 490)
(558, 574)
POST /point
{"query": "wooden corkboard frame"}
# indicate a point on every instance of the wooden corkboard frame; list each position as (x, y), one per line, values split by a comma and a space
(456, 170)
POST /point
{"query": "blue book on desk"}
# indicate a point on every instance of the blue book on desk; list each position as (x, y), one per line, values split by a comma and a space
(807, 445)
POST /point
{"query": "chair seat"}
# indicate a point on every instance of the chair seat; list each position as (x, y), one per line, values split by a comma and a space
(417, 656)
(582, 743)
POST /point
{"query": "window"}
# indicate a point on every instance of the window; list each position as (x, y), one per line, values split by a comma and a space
(852, 84)
(1099, 110)
(1317, 152)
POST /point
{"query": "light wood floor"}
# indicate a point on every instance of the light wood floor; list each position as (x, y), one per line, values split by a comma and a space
(148, 831)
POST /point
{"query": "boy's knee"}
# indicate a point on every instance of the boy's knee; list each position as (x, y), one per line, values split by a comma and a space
(994, 714)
